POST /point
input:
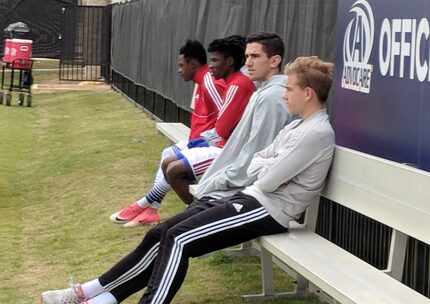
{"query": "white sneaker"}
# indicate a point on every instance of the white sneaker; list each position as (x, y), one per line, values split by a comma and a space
(71, 295)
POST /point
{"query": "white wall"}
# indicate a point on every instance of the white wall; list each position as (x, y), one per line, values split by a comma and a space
(95, 2)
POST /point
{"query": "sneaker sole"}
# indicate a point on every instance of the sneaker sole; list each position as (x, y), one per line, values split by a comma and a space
(114, 218)
(132, 224)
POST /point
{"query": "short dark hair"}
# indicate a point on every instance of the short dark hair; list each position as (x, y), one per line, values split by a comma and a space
(231, 46)
(271, 42)
(193, 49)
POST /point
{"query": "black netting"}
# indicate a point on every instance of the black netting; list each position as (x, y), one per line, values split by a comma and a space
(42, 17)
(148, 34)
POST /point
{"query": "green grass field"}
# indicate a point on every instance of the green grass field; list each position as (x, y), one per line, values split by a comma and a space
(66, 164)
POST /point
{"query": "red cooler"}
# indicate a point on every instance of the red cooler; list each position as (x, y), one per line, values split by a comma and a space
(7, 46)
(18, 52)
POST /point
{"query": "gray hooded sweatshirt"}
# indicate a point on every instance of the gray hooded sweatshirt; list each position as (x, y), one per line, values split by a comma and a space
(291, 171)
(265, 115)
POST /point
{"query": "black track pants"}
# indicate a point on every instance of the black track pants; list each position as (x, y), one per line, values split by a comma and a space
(160, 261)
(204, 227)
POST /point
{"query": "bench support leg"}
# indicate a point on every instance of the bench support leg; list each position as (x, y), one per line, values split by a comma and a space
(268, 287)
(311, 215)
(396, 259)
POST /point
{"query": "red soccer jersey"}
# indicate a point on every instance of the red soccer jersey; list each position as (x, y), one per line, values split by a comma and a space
(236, 97)
(207, 102)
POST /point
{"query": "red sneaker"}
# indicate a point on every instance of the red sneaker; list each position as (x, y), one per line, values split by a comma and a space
(149, 216)
(127, 214)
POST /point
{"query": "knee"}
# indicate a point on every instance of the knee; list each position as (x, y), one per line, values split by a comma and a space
(174, 236)
(166, 163)
(172, 233)
(175, 170)
(152, 237)
(155, 233)
(167, 153)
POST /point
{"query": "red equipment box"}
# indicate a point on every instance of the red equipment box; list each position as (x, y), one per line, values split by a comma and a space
(17, 53)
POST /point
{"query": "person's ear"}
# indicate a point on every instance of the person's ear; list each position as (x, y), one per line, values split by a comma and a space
(194, 64)
(275, 61)
(230, 61)
(309, 93)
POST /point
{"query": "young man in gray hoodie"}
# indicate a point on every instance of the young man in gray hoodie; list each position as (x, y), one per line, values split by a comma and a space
(285, 179)
(265, 115)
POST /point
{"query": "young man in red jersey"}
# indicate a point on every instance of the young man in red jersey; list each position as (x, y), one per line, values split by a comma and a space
(227, 56)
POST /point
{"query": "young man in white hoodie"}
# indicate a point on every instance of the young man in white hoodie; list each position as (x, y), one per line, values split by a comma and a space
(286, 177)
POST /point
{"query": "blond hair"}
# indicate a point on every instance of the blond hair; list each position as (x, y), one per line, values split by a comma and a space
(312, 72)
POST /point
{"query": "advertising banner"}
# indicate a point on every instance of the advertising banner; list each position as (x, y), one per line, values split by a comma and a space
(382, 79)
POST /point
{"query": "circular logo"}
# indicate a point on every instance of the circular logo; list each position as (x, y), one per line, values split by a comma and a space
(358, 40)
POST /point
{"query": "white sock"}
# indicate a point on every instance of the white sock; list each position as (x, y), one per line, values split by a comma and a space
(143, 203)
(155, 205)
(92, 288)
(104, 298)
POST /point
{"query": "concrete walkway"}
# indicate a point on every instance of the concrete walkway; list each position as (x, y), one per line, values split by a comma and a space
(79, 86)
